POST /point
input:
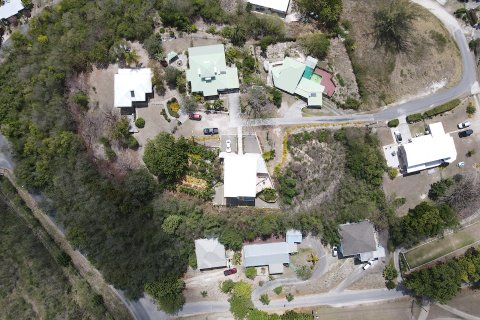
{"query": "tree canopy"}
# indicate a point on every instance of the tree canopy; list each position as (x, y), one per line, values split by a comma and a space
(166, 158)
(326, 12)
(393, 25)
(316, 44)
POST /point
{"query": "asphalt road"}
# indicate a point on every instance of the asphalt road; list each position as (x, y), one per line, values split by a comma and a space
(468, 85)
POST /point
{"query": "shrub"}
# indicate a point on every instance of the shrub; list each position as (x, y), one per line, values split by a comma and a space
(289, 297)
(351, 103)
(471, 109)
(398, 202)
(393, 123)
(227, 286)
(204, 294)
(304, 272)
(278, 290)
(140, 122)
(132, 143)
(392, 173)
(470, 153)
(316, 44)
(268, 195)
(416, 117)
(441, 108)
(269, 155)
(237, 258)
(251, 272)
(81, 99)
(439, 189)
(264, 299)
(276, 97)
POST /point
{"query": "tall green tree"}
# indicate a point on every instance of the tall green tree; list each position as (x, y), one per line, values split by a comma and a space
(393, 25)
(166, 158)
(168, 293)
(326, 12)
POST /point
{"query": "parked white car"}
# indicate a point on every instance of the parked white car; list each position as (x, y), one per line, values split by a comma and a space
(464, 125)
(367, 265)
(334, 251)
(229, 146)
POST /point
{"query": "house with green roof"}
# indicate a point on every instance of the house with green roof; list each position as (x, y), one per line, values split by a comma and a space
(208, 72)
(298, 78)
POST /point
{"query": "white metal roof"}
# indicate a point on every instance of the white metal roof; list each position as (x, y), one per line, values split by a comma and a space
(278, 5)
(10, 8)
(240, 175)
(267, 254)
(294, 236)
(210, 254)
(430, 150)
(132, 85)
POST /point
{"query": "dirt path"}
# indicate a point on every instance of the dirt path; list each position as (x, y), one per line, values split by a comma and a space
(85, 268)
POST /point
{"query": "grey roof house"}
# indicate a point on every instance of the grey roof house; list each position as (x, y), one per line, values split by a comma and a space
(210, 254)
(358, 239)
(273, 255)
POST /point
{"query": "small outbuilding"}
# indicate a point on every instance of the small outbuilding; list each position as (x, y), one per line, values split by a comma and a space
(132, 85)
(171, 56)
(294, 236)
(359, 240)
(210, 254)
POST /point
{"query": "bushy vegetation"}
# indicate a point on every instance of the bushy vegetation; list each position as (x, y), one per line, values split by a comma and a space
(393, 123)
(441, 108)
(471, 109)
(390, 274)
(268, 195)
(424, 221)
(37, 279)
(325, 12)
(416, 117)
(443, 281)
(278, 290)
(350, 172)
(168, 293)
(242, 308)
(251, 272)
(140, 122)
(316, 44)
(439, 189)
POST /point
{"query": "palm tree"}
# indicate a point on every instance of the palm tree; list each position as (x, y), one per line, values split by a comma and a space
(393, 26)
(131, 57)
(238, 36)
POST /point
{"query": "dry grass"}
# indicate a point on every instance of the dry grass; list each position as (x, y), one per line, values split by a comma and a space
(390, 77)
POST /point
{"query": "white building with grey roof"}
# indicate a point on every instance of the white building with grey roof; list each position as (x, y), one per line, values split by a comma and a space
(273, 255)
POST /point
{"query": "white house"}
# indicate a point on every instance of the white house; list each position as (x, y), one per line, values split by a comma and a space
(279, 7)
(240, 178)
(428, 151)
(210, 254)
(294, 236)
(132, 85)
(10, 8)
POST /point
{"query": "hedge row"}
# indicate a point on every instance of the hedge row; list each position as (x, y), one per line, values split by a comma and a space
(433, 112)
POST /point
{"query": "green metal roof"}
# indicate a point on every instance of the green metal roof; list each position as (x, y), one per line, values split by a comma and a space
(208, 71)
(287, 76)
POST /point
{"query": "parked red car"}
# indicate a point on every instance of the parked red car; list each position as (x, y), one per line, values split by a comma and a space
(194, 116)
(230, 271)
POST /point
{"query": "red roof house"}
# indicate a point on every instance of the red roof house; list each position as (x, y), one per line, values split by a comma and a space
(326, 81)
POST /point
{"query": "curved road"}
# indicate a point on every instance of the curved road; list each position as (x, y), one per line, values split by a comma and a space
(468, 85)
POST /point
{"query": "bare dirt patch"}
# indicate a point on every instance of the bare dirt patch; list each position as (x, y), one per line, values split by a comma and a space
(387, 77)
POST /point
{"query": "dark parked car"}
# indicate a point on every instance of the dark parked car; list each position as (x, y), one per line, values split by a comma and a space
(194, 116)
(210, 131)
(230, 271)
(465, 133)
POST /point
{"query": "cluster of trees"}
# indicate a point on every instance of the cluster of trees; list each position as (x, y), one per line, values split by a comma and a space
(442, 281)
(325, 12)
(424, 221)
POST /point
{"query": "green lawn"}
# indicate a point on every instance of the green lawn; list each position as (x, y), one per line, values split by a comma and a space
(435, 249)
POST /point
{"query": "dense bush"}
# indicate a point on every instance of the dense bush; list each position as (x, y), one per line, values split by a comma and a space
(251, 272)
(441, 109)
(326, 12)
(443, 281)
(423, 221)
(140, 122)
(393, 123)
(416, 117)
(439, 189)
(168, 293)
(316, 44)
